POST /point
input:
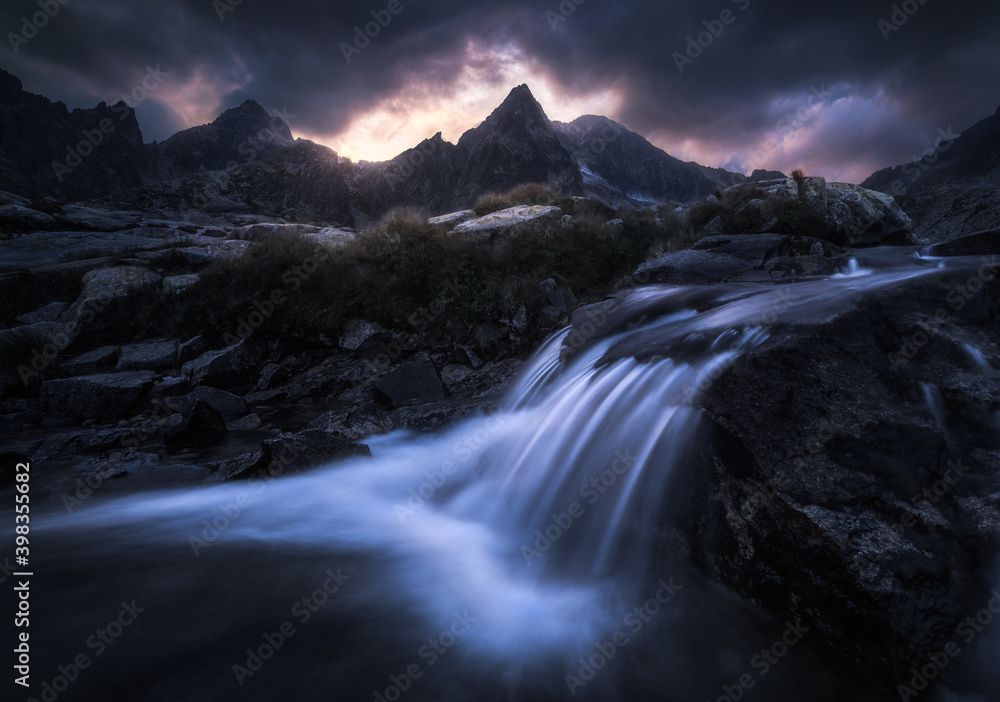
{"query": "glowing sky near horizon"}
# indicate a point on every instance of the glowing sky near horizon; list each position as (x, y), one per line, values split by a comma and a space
(444, 65)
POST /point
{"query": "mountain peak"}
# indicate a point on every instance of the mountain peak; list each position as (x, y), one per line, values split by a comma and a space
(520, 97)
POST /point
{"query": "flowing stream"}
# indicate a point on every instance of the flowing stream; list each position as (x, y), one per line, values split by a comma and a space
(509, 557)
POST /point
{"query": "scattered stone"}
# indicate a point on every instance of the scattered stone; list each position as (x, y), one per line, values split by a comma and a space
(176, 284)
(247, 423)
(225, 403)
(307, 449)
(412, 383)
(104, 396)
(96, 361)
(356, 332)
(202, 426)
(191, 349)
(495, 230)
(225, 368)
(450, 221)
(354, 425)
(157, 355)
(48, 313)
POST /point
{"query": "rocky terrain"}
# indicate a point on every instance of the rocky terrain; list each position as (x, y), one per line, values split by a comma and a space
(951, 189)
(822, 444)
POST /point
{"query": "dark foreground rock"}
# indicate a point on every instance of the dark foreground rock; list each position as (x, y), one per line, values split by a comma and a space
(745, 258)
(855, 490)
(413, 383)
(104, 396)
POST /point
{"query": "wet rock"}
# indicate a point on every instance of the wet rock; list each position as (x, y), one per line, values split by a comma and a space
(758, 258)
(823, 452)
(104, 396)
(202, 426)
(412, 383)
(249, 465)
(976, 244)
(354, 425)
(307, 449)
(157, 355)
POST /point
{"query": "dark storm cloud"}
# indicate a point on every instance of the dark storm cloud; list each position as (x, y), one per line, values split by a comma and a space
(939, 70)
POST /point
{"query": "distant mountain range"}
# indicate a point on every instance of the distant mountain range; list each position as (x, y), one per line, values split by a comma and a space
(247, 160)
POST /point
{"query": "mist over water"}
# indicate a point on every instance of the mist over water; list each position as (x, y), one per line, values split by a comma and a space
(514, 556)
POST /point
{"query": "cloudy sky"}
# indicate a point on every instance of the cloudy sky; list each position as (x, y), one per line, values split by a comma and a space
(836, 88)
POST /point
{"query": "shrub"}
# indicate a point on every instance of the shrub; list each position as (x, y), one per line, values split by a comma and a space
(524, 194)
(490, 203)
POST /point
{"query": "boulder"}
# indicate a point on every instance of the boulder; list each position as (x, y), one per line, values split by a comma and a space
(47, 313)
(757, 258)
(157, 355)
(201, 426)
(838, 496)
(353, 425)
(191, 349)
(497, 229)
(225, 403)
(450, 221)
(976, 244)
(20, 217)
(225, 368)
(176, 284)
(412, 383)
(105, 294)
(356, 332)
(103, 396)
(92, 362)
(307, 449)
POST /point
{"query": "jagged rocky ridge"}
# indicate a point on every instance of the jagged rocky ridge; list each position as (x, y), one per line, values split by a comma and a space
(952, 189)
(517, 143)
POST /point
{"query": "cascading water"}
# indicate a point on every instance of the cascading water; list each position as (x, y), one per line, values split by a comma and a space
(503, 558)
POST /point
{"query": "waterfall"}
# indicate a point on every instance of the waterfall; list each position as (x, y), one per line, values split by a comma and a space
(525, 534)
